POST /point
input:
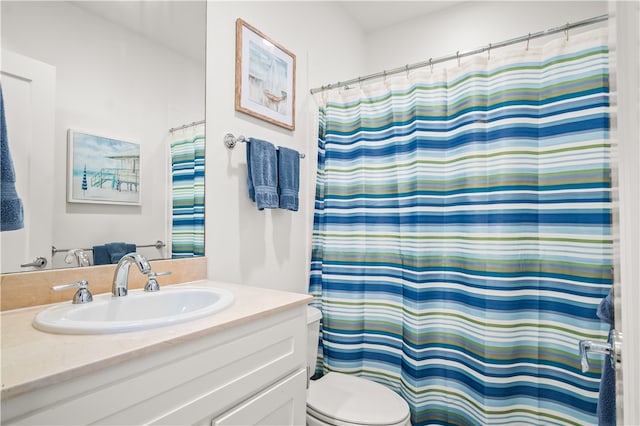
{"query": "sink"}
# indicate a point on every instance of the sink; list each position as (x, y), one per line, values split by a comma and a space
(138, 310)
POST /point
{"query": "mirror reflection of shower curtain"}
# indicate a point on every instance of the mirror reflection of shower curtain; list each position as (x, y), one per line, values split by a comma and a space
(462, 238)
(187, 193)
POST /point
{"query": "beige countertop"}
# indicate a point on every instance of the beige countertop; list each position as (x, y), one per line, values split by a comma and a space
(32, 359)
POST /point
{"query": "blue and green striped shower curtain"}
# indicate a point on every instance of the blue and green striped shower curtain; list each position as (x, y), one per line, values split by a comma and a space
(462, 237)
(187, 177)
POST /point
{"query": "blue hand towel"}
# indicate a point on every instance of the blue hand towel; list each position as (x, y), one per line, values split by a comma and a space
(606, 410)
(11, 212)
(111, 253)
(101, 255)
(262, 173)
(288, 178)
(117, 250)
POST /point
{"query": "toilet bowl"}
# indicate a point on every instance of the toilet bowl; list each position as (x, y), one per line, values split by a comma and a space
(344, 400)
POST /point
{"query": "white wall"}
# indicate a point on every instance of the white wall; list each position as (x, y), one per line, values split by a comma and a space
(467, 26)
(115, 83)
(269, 248)
(625, 34)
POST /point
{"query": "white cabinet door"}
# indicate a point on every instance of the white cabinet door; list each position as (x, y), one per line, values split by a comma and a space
(282, 404)
(28, 88)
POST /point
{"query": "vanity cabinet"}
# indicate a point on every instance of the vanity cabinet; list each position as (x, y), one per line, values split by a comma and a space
(250, 373)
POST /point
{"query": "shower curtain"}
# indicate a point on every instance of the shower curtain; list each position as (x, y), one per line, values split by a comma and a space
(462, 234)
(187, 183)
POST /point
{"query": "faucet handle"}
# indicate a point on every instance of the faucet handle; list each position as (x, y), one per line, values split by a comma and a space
(152, 283)
(83, 295)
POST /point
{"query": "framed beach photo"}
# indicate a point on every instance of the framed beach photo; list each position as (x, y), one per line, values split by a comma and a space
(102, 170)
(265, 77)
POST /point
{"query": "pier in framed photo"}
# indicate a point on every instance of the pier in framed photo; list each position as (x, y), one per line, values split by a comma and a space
(102, 170)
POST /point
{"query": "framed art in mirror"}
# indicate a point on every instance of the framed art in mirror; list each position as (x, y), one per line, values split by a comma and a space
(102, 170)
(265, 77)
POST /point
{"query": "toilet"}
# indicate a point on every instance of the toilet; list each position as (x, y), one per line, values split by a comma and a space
(345, 400)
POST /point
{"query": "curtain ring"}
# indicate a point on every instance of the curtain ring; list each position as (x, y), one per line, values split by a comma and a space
(406, 69)
(384, 73)
(566, 32)
(528, 40)
(458, 57)
(489, 52)
(431, 64)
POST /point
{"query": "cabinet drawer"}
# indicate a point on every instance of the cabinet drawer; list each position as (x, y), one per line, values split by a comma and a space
(282, 404)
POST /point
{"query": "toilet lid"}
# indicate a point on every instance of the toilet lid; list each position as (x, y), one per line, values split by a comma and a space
(351, 399)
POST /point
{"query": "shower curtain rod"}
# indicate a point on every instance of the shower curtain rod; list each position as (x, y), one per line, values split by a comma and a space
(184, 126)
(459, 54)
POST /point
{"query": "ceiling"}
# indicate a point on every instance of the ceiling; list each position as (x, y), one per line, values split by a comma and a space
(180, 24)
(375, 15)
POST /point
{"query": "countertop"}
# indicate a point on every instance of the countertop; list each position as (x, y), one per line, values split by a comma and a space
(32, 359)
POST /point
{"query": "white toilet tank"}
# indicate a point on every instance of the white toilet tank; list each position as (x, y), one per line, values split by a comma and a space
(313, 332)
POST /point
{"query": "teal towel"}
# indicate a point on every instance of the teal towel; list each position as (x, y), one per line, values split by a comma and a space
(11, 211)
(288, 178)
(606, 410)
(262, 173)
(111, 252)
(100, 255)
(117, 250)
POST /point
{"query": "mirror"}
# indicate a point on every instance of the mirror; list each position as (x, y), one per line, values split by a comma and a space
(124, 74)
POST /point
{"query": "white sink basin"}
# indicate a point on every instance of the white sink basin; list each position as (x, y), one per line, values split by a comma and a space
(138, 310)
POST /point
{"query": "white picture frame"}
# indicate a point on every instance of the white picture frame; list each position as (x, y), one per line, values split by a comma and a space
(102, 170)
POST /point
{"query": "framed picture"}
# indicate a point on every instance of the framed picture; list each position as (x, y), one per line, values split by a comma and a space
(102, 170)
(265, 77)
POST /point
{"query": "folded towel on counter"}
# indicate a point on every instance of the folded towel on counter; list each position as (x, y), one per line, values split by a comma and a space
(262, 173)
(288, 178)
(606, 410)
(11, 211)
(111, 252)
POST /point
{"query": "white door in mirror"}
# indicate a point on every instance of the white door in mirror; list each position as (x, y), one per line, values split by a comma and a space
(28, 88)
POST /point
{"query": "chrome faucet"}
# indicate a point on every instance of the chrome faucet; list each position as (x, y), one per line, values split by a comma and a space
(120, 285)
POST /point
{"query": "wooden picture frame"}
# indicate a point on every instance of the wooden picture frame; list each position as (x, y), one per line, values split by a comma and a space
(102, 170)
(265, 77)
